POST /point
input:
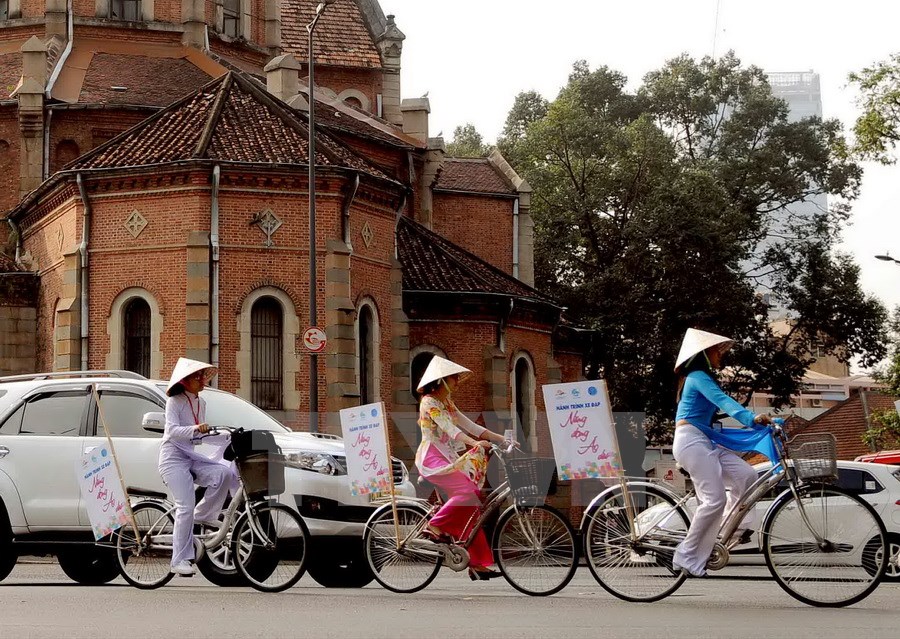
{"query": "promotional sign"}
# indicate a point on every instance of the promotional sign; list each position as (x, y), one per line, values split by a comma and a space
(101, 490)
(368, 452)
(314, 340)
(582, 430)
(667, 472)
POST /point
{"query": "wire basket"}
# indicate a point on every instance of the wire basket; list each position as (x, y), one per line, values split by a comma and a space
(814, 456)
(262, 474)
(531, 479)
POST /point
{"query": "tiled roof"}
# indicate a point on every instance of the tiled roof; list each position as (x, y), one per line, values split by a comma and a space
(10, 73)
(433, 264)
(475, 175)
(847, 421)
(230, 119)
(341, 38)
(140, 80)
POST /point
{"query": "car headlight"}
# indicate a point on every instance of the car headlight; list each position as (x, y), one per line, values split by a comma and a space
(314, 462)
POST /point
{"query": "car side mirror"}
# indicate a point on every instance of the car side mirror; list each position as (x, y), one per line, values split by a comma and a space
(154, 422)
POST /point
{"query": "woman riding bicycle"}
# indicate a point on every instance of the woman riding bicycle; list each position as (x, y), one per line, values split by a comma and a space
(181, 466)
(712, 467)
(452, 457)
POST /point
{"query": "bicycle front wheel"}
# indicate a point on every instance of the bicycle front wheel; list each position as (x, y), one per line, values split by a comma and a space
(145, 559)
(535, 549)
(406, 569)
(826, 549)
(269, 546)
(629, 542)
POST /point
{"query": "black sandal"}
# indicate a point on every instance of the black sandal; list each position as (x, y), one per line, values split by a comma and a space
(483, 575)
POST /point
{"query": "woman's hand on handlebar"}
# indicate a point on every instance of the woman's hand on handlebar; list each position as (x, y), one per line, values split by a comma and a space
(203, 428)
(762, 420)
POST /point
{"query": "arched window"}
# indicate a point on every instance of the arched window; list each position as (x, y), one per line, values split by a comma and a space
(134, 326)
(523, 401)
(419, 359)
(66, 151)
(266, 320)
(368, 344)
(355, 98)
(136, 337)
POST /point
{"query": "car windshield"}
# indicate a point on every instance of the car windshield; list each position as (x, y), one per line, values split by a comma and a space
(225, 409)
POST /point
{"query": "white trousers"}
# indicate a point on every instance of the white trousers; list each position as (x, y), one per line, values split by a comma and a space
(712, 469)
(218, 480)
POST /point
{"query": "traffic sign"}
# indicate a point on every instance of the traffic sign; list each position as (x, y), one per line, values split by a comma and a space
(314, 340)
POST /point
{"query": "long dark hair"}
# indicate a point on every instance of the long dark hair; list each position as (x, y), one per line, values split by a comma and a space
(699, 362)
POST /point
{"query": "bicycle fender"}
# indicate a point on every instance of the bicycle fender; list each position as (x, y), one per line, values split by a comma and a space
(408, 503)
(599, 498)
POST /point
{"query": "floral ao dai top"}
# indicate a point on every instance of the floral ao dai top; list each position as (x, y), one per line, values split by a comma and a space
(442, 427)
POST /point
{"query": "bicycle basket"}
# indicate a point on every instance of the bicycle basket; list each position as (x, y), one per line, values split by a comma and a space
(262, 474)
(814, 456)
(531, 479)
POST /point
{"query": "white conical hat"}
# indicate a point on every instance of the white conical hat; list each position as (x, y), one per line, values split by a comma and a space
(439, 368)
(697, 341)
(185, 367)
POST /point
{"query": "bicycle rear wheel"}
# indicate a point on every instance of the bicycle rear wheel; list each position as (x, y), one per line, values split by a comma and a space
(635, 567)
(535, 549)
(842, 569)
(145, 559)
(269, 546)
(399, 570)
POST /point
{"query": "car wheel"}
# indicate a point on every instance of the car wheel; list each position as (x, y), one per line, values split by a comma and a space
(8, 558)
(340, 566)
(89, 566)
(892, 572)
(221, 570)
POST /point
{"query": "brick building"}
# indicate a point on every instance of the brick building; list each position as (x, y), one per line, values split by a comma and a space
(155, 157)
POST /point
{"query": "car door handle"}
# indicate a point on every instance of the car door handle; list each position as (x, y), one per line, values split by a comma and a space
(4, 451)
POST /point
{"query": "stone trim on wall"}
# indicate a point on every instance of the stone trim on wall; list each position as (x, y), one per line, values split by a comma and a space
(290, 332)
(359, 95)
(115, 329)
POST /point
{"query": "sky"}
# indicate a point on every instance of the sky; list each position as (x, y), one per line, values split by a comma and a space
(473, 57)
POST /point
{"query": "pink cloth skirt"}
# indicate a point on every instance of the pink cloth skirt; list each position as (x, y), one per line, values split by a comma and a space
(461, 509)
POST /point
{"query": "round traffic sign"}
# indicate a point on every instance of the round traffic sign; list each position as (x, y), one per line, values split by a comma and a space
(314, 340)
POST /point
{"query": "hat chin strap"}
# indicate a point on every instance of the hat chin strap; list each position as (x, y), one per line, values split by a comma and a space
(444, 383)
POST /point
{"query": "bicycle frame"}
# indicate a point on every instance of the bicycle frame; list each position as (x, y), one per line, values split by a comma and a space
(732, 520)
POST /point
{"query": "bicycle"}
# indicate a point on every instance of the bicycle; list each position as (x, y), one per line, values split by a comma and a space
(823, 545)
(533, 543)
(265, 539)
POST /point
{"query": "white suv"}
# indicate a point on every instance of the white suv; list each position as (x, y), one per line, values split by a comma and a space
(48, 420)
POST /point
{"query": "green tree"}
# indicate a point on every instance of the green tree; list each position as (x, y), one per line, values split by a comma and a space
(529, 107)
(877, 130)
(884, 433)
(467, 143)
(671, 207)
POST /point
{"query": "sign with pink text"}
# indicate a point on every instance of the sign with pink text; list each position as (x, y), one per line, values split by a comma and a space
(101, 491)
(582, 430)
(365, 440)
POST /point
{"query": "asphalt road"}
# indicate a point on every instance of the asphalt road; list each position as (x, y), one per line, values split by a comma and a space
(37, 600)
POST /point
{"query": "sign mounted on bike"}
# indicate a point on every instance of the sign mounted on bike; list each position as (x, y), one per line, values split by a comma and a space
(582, 430)
(368, 450)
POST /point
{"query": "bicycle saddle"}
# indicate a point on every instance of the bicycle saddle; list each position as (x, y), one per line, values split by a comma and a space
(135, 491)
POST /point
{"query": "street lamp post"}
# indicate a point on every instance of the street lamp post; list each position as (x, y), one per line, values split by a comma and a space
(887, 258)
(313, 308)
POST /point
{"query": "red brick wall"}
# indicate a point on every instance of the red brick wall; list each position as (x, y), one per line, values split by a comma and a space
(9, 160)
(33, 8)
(85, 8)
(131, 35)
(88, 129)
(167, 11)
(481, 225)
(338, 79)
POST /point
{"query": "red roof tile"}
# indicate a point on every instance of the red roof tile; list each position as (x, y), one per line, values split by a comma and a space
(848, 422)
(341, 39)
(474, 175)
(147, 81)
(433, 264)
(10, 73)
(230, 119)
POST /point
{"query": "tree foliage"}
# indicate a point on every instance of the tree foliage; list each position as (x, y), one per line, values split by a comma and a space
(884, 432)
(877, 130)
(467, 143)
(672, 206)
